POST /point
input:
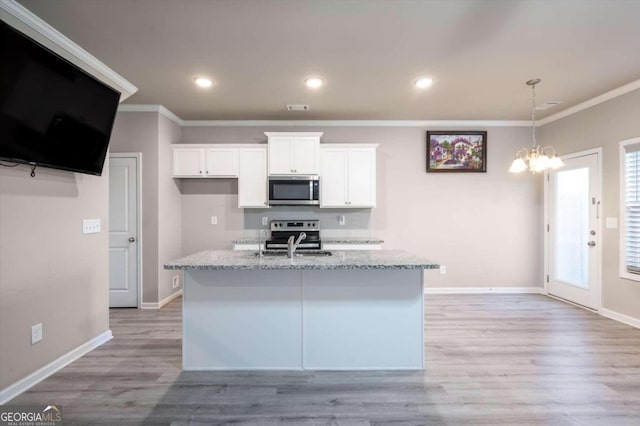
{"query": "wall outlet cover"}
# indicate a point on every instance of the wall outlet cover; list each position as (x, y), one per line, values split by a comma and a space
(265, 220)
(36, 333)
(612, 223)
(214, 220)
(443, 270)
(341, 220)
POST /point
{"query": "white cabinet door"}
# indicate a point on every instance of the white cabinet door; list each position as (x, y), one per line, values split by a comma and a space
(348, 176)
(252, 178)
(294, 154)
(222, 162)
(361, 178)
(304, 154)
(188, 162)
(333, 177)
(280, 156)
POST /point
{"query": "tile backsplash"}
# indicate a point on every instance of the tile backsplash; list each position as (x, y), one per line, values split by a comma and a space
(358, 222)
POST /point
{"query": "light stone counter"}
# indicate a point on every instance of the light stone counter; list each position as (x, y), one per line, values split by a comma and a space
(360, 259)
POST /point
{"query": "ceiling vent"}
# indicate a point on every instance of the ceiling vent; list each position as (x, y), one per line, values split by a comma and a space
(547, 105)
(297, 107)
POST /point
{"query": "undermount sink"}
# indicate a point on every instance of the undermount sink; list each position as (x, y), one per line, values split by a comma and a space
(306, 253)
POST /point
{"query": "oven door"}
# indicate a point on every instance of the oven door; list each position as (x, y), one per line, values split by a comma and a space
(288, 191)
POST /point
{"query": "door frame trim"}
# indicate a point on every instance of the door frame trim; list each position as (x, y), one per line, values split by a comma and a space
(138, 157)
(598, 277)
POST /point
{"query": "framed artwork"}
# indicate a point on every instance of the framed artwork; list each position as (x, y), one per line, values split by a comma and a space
(457, 152)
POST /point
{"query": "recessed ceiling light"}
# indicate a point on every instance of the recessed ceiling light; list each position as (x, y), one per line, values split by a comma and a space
(203, 81)
(423, 82)
(314, 82)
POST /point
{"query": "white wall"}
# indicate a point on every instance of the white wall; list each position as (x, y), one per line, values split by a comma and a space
(50, 272)
(485, 227)
(169, 207)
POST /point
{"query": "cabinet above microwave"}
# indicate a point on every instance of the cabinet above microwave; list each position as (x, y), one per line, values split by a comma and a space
(294, 153)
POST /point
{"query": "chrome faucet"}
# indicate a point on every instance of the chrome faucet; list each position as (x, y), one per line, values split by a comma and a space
(260, 234)
(291, 246)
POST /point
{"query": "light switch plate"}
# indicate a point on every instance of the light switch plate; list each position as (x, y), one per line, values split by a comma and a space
(91, 226)
(214, 220)
(612, 223)
(175, 282)
(443, 270)
(265, 220)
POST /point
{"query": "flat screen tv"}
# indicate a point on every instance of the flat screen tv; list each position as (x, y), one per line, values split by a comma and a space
(52, 114)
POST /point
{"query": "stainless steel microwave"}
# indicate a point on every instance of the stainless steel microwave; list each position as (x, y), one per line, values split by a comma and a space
(298, 190)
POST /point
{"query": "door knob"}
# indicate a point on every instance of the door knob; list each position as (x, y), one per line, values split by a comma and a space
(132, 240)
(591, 243)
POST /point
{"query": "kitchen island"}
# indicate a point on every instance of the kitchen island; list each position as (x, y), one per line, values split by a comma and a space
(352, 310)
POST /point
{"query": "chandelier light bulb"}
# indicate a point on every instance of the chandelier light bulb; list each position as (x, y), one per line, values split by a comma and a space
(518, 166)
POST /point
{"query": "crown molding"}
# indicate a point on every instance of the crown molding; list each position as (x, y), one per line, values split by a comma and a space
(151, 108)
(356, 123)
(25, 21)
(634, 85)
(320, 123)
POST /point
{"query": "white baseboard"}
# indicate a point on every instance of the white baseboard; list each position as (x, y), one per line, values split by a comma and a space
(480, 290)
(626, 319)
(10, 392)
(160, 304)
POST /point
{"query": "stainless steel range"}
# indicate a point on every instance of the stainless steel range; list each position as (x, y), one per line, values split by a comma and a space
(282, 230)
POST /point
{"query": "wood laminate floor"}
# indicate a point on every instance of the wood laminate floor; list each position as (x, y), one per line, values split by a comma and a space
(491, 359)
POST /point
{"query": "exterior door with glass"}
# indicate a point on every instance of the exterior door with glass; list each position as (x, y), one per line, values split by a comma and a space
(573, 244)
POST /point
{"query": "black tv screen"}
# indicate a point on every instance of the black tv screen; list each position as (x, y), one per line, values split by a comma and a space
(52, 113)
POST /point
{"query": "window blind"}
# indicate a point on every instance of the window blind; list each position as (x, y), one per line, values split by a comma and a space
(632, 210)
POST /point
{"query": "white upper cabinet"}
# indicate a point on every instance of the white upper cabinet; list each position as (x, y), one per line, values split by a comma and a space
(294, 153)
(188, 162)
(222, 162)
(348, 176)
(205, 161)
(252, 178)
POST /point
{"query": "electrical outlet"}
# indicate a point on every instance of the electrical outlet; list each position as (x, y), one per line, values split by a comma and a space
(214, 220)
(265, 220)
(443, 270)
(612, 222)
(91, 226)
(341, 220)
(36, 333)
(176, 281)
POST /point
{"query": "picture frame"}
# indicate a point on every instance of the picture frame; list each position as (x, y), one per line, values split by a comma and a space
(457, 151)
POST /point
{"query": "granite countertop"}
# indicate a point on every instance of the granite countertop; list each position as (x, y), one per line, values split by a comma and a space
(352, 259)
(333, 240)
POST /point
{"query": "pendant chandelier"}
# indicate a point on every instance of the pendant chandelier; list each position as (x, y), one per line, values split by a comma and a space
(538, 158)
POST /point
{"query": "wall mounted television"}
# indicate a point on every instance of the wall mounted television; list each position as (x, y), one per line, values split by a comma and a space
(52, 113)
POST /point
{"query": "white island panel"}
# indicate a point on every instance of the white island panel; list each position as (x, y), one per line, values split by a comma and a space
(363, 319)
(242, 320)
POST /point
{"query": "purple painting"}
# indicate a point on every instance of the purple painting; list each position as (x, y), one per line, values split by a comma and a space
(457, 151)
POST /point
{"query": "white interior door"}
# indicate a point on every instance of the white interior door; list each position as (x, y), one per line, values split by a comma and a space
(123, 232)
(573, 204)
